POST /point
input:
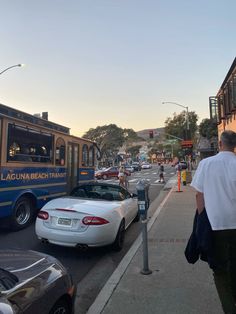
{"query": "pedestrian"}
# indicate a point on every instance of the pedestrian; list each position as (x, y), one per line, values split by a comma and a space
(161, 173)
(122, 177)
(215, 183)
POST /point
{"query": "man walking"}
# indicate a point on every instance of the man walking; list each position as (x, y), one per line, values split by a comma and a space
(161, 173)
(215, 183)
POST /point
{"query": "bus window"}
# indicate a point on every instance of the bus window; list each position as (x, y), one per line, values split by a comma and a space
(85, 155)
(14, 149)
(26, 144)
(60, 152)
(91, 156)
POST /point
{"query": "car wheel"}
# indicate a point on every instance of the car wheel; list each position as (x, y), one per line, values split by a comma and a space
(62, 306)
(120, 237)
(23, 214)
(104, 177)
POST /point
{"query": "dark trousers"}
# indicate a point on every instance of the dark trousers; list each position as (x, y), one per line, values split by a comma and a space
(224, 253)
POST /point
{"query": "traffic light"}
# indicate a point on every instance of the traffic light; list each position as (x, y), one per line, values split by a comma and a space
(151, 134)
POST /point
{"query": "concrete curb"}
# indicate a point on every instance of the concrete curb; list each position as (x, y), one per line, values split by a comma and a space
(106, 292)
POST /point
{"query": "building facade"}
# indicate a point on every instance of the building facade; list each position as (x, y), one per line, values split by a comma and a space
(223, 105)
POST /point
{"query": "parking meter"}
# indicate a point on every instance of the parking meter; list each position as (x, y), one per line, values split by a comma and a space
(143, 197)
(143, 204)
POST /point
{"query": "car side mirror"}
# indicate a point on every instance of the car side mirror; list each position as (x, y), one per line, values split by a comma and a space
(134, 195)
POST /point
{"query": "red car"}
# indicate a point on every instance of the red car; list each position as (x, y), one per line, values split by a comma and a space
(108, 173)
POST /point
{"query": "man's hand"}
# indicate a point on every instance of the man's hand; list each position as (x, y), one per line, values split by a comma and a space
(200, 202)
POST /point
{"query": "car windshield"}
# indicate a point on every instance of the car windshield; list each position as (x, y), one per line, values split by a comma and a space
(102, 192)
(111, 169)
(7, 280)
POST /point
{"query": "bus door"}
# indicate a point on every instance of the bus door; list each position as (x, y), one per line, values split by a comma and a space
(72, 165)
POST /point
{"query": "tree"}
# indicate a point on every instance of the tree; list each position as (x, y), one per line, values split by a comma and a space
(208, 128)
(109, 139)
(177, 125)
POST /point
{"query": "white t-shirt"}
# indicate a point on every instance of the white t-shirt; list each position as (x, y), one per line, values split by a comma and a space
(215, 177)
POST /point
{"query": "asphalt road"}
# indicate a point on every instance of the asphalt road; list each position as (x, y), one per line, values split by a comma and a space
(90, 269)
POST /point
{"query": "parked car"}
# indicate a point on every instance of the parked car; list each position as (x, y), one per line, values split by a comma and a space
(33, 282)
(111, 172)
(182, 165)
(136, 166)
(95, 214)
(146, 165)
(129, 168)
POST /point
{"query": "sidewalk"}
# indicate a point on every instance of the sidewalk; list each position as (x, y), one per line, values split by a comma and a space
(174, 285)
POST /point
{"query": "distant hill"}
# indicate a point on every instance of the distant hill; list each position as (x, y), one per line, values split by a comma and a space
(145, 133)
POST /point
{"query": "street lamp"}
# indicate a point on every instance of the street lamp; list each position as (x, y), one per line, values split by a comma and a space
(185, 107)
(13, 66)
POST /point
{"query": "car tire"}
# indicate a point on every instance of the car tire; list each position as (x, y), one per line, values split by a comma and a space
(104, 177)
(23, 214)
(61, 306)
(120, 237)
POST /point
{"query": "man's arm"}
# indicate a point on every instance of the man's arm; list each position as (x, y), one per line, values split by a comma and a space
(200, 202)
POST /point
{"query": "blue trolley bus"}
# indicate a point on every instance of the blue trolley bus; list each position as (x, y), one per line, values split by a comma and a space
(39, 160)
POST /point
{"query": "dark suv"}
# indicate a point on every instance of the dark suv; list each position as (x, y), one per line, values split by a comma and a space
(136, 166)
(33, 282)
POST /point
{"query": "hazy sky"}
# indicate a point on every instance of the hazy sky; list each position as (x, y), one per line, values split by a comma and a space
(96, 62)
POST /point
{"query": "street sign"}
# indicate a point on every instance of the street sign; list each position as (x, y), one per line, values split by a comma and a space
(187, 144)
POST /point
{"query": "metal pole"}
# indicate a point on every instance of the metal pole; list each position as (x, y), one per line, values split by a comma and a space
(187, 119)
(13, 66)
(145, 270)
(187, 123)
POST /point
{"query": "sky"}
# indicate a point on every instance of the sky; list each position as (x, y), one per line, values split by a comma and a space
(95, 62)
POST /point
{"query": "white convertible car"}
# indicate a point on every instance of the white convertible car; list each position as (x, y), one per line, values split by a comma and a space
(95, 214)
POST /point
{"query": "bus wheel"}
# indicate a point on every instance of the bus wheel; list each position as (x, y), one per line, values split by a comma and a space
(22, 214)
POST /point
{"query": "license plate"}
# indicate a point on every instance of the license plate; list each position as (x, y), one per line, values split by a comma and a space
(64, 221)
